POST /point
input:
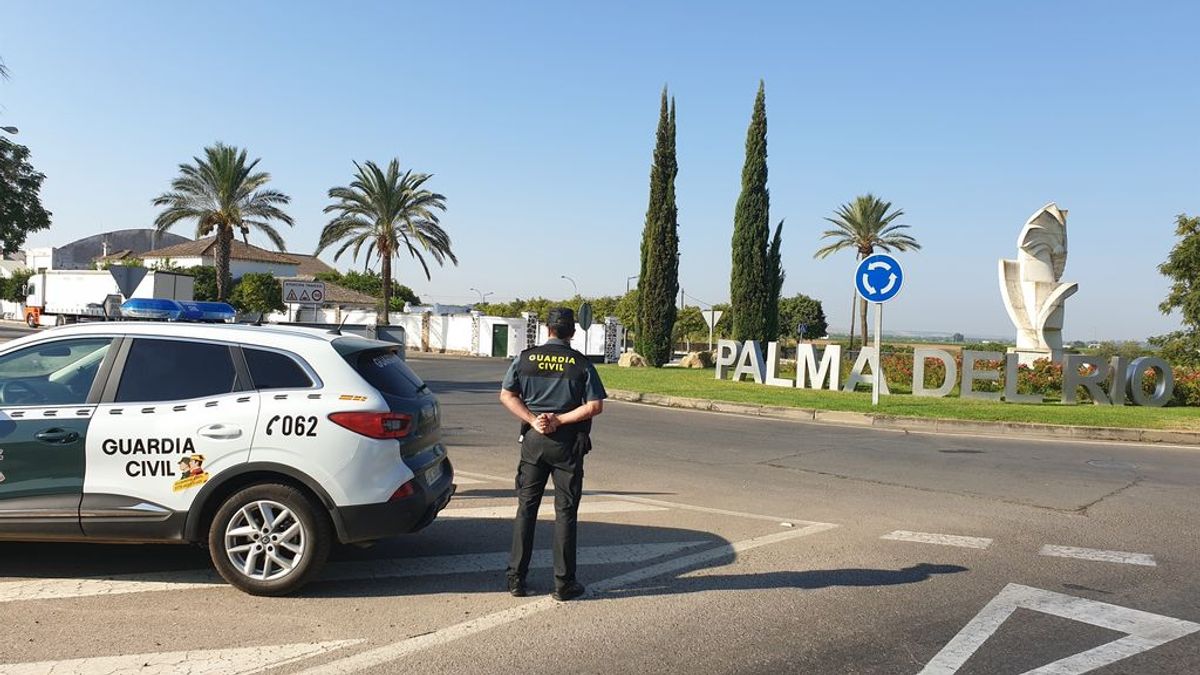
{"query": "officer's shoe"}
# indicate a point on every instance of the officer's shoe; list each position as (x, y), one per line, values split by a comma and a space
(569, 591)
(517, 588)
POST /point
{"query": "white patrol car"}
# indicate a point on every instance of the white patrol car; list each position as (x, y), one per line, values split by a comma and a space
(266, 443)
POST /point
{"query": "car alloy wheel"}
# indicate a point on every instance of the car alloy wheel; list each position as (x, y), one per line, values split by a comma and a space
(265, 541)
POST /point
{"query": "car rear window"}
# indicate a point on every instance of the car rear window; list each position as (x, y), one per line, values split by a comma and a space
(272, 370)
(387, 372)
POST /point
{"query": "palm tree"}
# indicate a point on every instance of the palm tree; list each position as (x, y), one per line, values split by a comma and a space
(224, 195)
(864, 225)
(387, 212)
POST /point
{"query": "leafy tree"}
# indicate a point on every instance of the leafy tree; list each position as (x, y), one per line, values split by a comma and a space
(371, 283)
(751, 276)
(1179, 348)
(775, 277)
(387, 212)
(258, 292)
(204, 280)
(802, 310)
(626, 309)
(1183, 268)
(659, 278)
(690, 326)
(864, 225)
(223, 193)
(13, 288)
(958, 337)
(21, 211)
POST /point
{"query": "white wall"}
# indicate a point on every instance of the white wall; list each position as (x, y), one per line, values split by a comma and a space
(14, 311)
(237, 268)
(180, 262)
(452, 332)
(516, 335)
(595, 339)
(240, 268)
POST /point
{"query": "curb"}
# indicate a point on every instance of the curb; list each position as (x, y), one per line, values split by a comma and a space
(919, 424)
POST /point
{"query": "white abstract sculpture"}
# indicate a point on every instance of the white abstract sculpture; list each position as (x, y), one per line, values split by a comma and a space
(1031, 287)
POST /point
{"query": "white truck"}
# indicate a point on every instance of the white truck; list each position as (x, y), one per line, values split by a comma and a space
(57, 297)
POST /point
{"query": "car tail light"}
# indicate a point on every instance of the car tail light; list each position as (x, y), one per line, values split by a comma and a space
(374, 424)
(403, 492)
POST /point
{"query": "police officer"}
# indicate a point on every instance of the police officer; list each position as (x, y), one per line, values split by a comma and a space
(555, 392)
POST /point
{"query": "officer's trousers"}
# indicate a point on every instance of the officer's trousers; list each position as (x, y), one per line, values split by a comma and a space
(542, 458)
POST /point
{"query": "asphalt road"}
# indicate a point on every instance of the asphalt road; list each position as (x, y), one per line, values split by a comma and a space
(712, 543)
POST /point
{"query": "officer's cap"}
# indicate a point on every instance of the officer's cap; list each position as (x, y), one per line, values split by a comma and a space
(561, 316)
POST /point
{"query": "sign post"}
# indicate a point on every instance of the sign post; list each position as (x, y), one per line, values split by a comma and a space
(311, 293)
(585, 322)
(711, 317)
(878, 279)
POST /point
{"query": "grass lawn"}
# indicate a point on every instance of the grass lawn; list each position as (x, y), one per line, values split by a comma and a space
(702, 384)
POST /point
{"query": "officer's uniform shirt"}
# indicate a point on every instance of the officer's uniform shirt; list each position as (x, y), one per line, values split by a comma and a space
(553, 378)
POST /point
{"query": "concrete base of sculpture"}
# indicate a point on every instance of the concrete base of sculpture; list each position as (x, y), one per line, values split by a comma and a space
(1026, 357)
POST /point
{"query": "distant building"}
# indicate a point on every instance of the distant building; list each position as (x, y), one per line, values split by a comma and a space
(243, 258)
(82, 254)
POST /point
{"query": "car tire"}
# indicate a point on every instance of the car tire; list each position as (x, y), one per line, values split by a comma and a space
(269, 558)
(31, 321)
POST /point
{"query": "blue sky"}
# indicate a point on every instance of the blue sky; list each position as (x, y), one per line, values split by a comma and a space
(538, 120)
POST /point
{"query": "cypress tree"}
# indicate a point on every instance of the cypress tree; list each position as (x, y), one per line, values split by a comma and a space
(775, 277)
(750, 277)
(658, 282)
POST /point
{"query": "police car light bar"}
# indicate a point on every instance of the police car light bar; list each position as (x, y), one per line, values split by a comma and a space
(211, 312)
(159, 309)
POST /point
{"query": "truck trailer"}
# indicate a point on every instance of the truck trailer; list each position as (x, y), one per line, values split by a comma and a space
(57, 297)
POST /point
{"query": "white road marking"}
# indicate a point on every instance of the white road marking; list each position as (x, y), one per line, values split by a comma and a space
(547, 509)
(1144, 631)
(196, 662)
(397, 650)
(483, 477)
(653, 502)
(940, 539)
(460, 479)
(1099, 555)
(52, 589)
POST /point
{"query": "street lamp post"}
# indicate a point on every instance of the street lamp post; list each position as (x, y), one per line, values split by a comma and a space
(573, 284)
(482, 295)
(625, 335)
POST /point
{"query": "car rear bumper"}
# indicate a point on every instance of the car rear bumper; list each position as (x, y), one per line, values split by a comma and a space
(367, 522)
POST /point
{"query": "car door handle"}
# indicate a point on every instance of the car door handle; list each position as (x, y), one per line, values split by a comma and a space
(57, 436)
(220, 432)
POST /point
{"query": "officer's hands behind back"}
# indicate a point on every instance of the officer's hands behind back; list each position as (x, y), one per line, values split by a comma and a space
(546, 423)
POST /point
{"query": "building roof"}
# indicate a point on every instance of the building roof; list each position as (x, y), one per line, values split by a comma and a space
(204, 248)
(116, 256)
(339, 295)
(310, 265)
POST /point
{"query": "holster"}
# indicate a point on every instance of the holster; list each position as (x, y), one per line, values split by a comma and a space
(583, 443)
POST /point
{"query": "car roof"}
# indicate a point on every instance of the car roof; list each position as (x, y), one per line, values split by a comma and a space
(272, 335)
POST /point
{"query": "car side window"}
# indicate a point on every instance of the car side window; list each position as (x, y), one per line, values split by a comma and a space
(52, 373)
(174, 370)
(272, 370)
